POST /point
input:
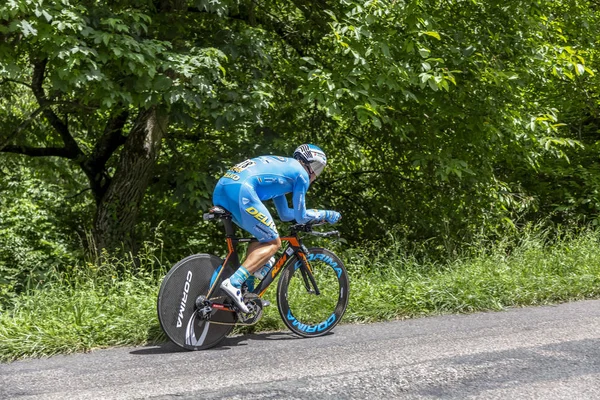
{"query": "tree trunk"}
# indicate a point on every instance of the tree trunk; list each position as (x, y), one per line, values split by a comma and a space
(117, 210)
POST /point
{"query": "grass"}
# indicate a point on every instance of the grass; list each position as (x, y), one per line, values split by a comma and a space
(65, 318)
(93, 308)
(530, 274)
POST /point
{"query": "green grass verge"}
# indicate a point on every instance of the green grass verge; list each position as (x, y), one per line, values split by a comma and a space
(81, 311)
(66, 319)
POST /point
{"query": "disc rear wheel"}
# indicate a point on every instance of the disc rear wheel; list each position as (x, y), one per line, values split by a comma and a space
(184, 283)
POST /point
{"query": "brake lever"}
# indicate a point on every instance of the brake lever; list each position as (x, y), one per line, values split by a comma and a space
(308, 228)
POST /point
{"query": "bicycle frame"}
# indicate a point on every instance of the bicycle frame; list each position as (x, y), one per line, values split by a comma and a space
(294, 247)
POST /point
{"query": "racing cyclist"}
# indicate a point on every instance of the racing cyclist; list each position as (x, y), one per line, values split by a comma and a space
(242, 191)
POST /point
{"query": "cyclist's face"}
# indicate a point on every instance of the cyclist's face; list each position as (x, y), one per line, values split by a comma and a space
(311, 175)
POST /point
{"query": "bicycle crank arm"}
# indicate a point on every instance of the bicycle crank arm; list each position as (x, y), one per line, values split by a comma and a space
(205, 308)
(223, 307)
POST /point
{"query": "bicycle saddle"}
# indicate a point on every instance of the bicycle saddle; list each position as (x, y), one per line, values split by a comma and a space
(216, 212)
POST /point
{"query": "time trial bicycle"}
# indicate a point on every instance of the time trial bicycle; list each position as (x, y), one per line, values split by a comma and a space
(312, 292)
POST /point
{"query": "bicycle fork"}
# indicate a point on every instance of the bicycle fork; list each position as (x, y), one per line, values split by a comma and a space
(307, 274)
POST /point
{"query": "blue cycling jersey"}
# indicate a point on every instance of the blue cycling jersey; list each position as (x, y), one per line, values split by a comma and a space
(246, 185)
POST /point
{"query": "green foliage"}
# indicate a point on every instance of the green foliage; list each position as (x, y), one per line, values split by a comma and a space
(31, 245)
(103, 55)
(444, 121)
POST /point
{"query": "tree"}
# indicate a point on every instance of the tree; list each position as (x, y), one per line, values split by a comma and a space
(105, 84)
(430, 110)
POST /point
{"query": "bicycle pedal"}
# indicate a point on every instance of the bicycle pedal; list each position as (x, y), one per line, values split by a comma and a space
(266, 303)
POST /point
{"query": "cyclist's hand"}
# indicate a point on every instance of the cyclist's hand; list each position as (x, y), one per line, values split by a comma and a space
(332, 216)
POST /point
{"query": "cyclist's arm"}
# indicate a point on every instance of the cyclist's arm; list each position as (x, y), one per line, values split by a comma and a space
(284, 211)
(301, 214)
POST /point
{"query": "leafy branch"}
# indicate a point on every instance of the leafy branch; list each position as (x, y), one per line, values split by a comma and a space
(20, 128)
(71, 148)
(39, 151)
(7, 80)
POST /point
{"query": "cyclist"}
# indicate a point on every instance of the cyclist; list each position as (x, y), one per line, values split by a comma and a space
(246, 185)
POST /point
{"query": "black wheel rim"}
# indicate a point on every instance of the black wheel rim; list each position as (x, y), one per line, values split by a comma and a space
(188, 279)
(306, 313)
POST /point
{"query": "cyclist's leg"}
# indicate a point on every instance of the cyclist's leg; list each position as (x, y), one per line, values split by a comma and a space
(260, 253)
(252, 216)
(257, 220)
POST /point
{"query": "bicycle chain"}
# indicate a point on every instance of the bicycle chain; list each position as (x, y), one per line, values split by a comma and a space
(232, 324)
(253, 296)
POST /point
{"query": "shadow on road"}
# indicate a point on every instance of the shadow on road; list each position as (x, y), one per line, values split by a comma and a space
(161, 348)
(226, 344)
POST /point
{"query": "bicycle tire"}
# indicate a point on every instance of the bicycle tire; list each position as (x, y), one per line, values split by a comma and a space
(188, 279)
(307, 314)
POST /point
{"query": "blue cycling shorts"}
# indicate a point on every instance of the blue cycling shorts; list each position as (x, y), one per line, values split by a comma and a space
(248, 211)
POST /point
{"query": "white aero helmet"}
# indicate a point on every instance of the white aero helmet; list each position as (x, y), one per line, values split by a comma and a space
(312, 156)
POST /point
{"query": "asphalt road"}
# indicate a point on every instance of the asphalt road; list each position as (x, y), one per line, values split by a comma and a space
(529, 353)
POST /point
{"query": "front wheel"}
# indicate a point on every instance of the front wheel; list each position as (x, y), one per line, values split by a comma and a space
(305, 312)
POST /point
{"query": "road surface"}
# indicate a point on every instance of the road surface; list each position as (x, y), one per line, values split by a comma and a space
(528, 353)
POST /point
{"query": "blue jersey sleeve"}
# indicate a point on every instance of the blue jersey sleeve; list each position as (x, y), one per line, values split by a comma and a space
(301, 214)
(284, 211)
